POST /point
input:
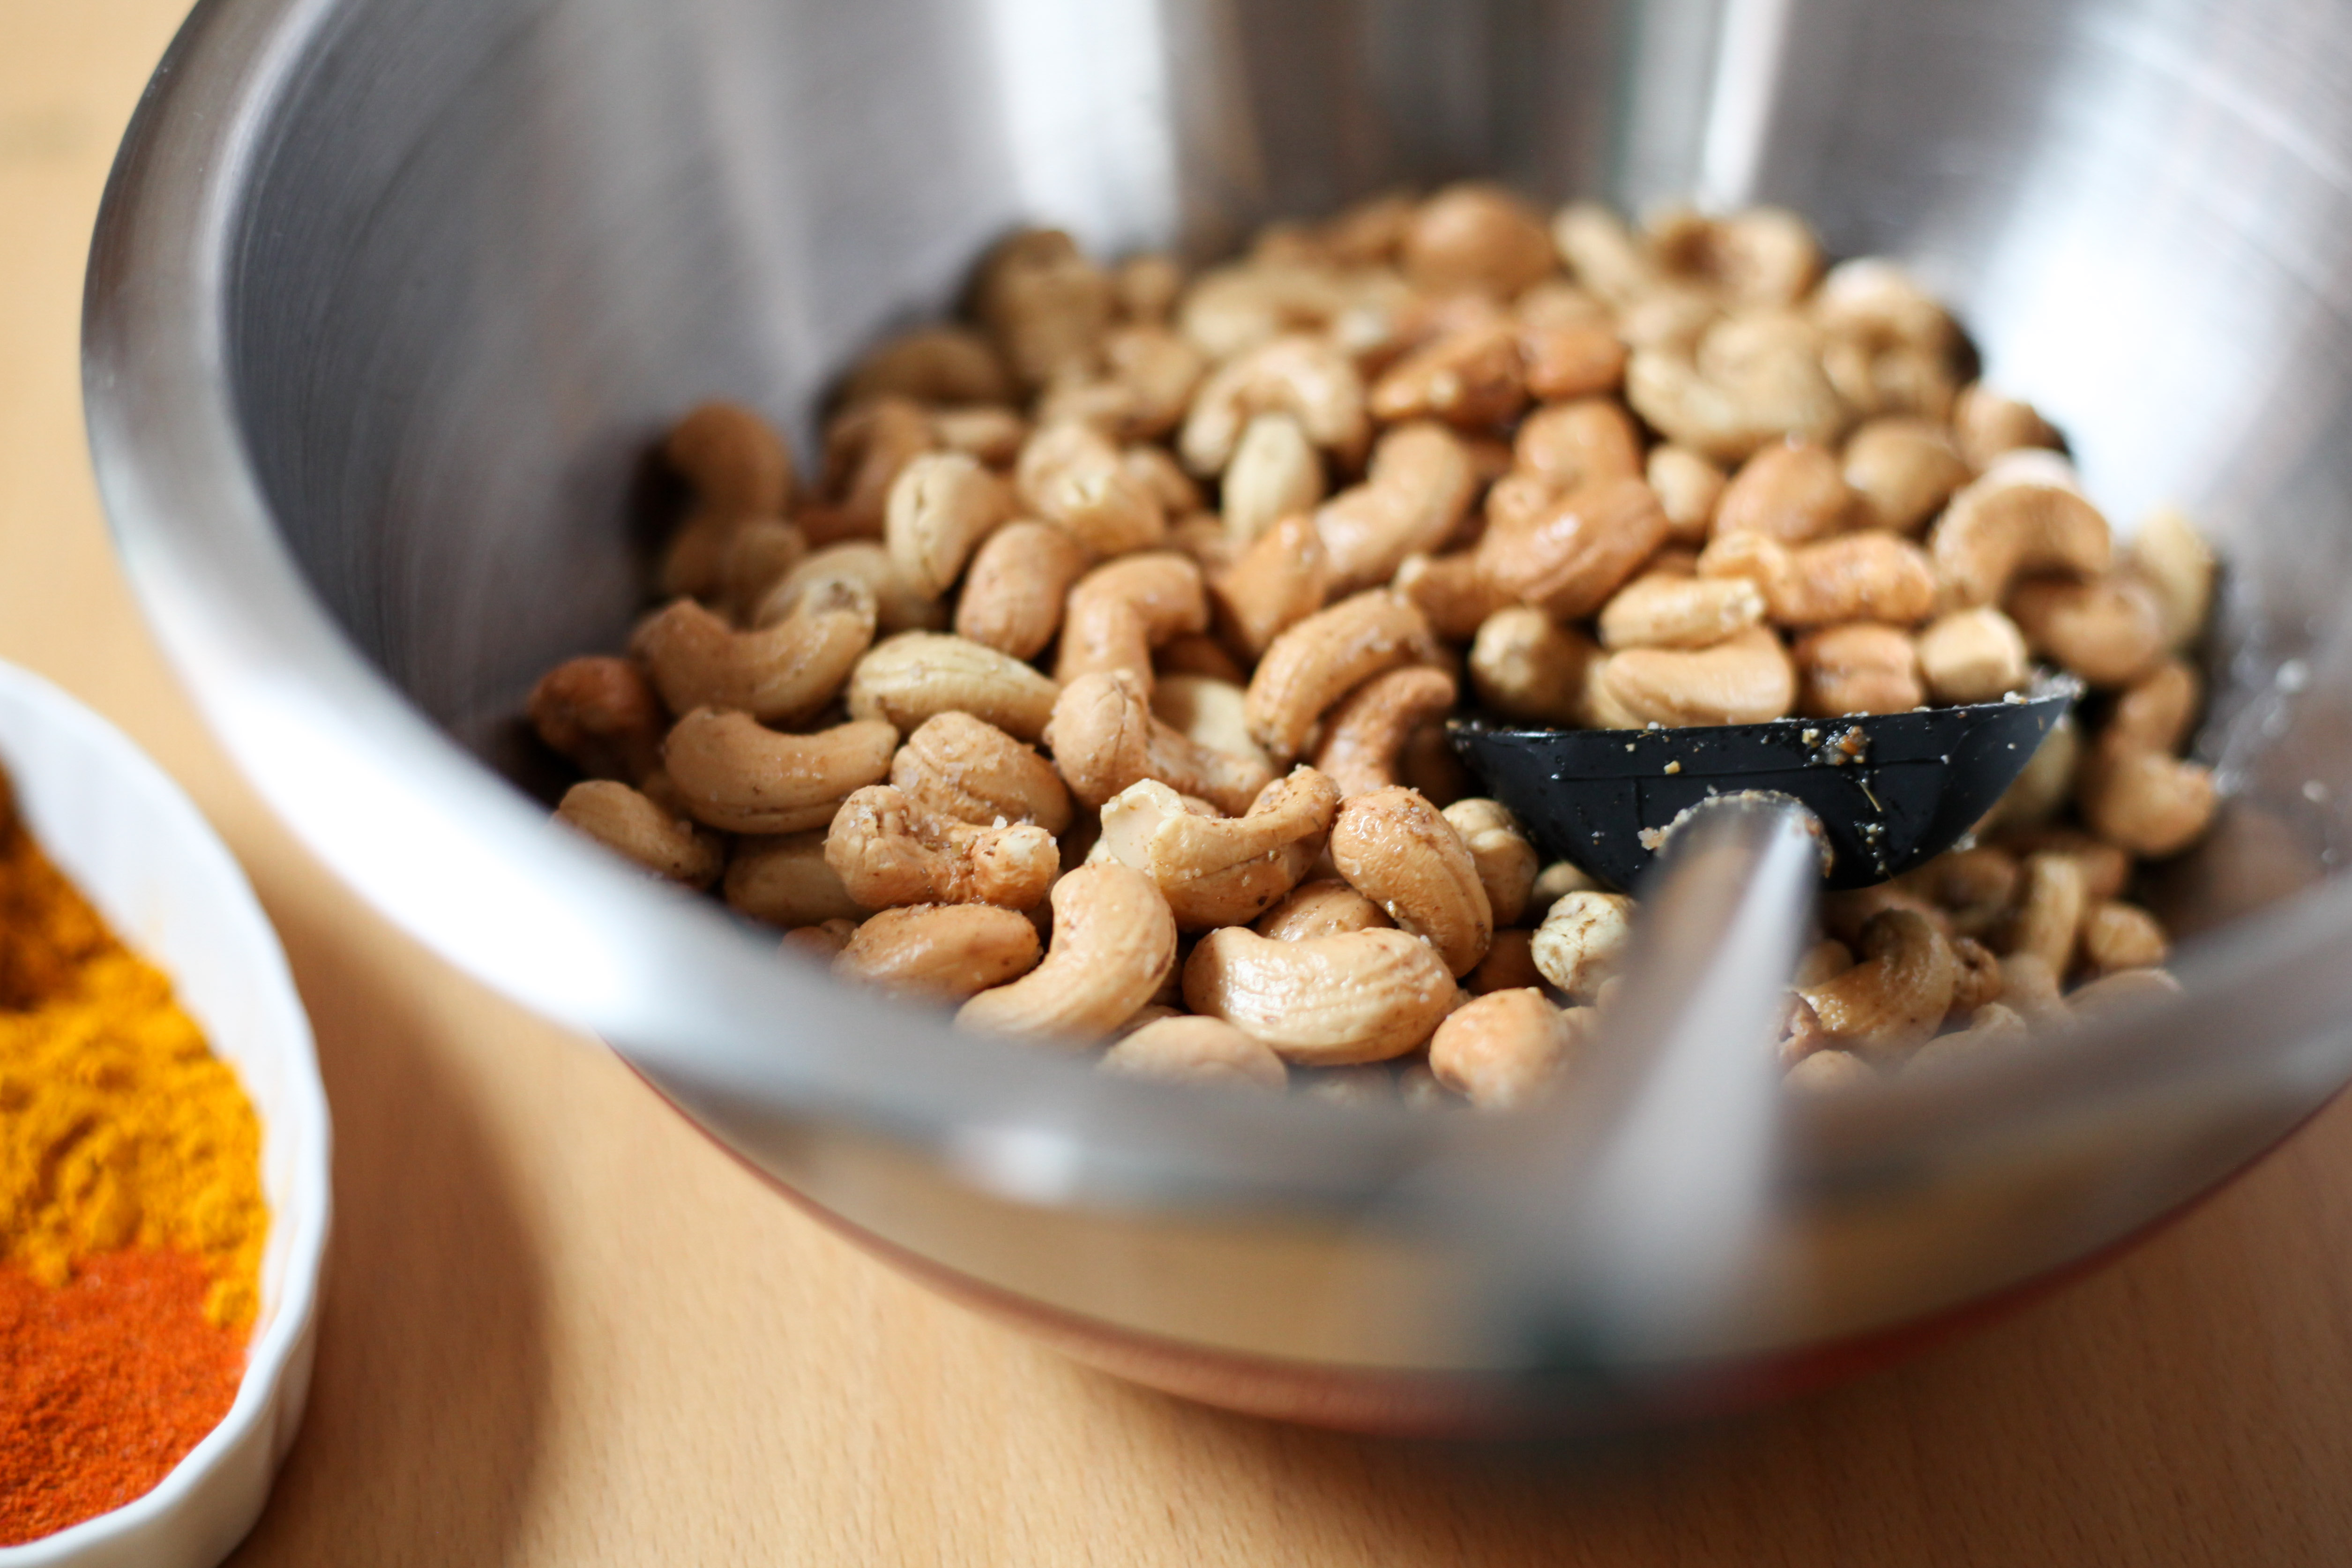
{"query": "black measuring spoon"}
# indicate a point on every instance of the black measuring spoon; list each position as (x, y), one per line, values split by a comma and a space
(1890, 790)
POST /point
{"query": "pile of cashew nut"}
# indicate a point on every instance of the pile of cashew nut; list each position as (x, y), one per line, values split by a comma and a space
(1095, 686)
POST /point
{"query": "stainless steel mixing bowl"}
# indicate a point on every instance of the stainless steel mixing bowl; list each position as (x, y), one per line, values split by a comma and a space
(388, 300)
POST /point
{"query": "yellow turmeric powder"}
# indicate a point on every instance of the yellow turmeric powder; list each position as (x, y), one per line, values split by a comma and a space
(118, 1126)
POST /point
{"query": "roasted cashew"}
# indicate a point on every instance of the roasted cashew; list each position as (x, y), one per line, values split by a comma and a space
(1074, 477)
(1976, 976)
(1281, 579)
(1394, 847)
(1509, 963)
(1523, 665)
(1363, 996)
(2025, 513)
(1506, 1048)
(1201, 1052)
(602, 714)
(1499, 849)
(1578, 443)
(1453, 593)
(2118, 936)
(1973, 656)
(2149, 802)
(1306, 377)
(733, 459)
(1311, 665)
(1013, 596)
(1874, 298)
(945, 952)
(1753, 380)
(784, 881)
(1570, 359)
(733, 774)
(1902, 471)
(1149, 374)
(1575, 554)
(1365, 733)
(2158, 711)
(1275, 471)
(1220, 871)
(1989, 425)
(1413, 498)
(1326, 906)
(2052, 896)
(2105, 867)
(865, 447)
(1871, 576)
(898, 607)
(941, 506)
(1583, 941)
(1975, 886)
(1762, 256)
(1046, 305)
(1861, 666)
(1147, 286)
(1689, 489)
(918, 675)
(2173, 560)
(1119, 612)
(1472, 377)
(1114, 941)
(1896, 998)
(939, 365)
(1666, 609)
(626, 823)
(955, 765)
(1604, 254)
(2109, 631)
(1208, 711)
(888, 851)
(1792, 492)
(1475, 237)
(1746, 679)
(1229, 311)
(1103, 738)
(780, 675)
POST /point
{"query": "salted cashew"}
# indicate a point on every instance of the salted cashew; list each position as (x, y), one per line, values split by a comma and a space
(1117, 613)
(1761, 256)
(1523, 665)
(1394, 847)
(1976, 977)
(1220, 871)
(1046, 305)
(1453, 593)
(1275, 471)
(1861, 666)
(1202, 1052)
(1604, 254)
(732, 772)
(1230, 310)
(1578, 443)
(2158, 711)
(784, 881)
(778, 674)
(2105, 867)
(1103, 738)
(2117, 935)
(1365, 733)
(1114, 941)
(1306, 377)
(865, 447)
(898, 606)
(1791, 491)
(1507, 1048)
(1413, 498)
(1282, 577)
(917, 676)
(2148, 801)
(730, 561)
(1870, 575)
(1158, 472)
(626, 823)
(1975, 886)
(1825, 960)
(936, 364)
(733, 459)
(1146, 286)
(602, 714)
(1573, 557)
(943, 952)
(1074, 477)
(1475, 237)
(955, 765)
(1473, 377)
(1668, 609)
(1973, 656)
(1149, 374)
(890, 851)
(1896, 998)
(1689, 488)
(1326, 907)
(1871, 298)
(2024, 513)
(1746, 679)
(1314, 663)
(1509, 963)
(1207, 709)
(1583, 941)
(2170, 556)
(2052, 896)
(1753, 379)
(1020, 578)
(1989, 425)
(1902, 471)
(1500, 850)
(1362, 996)
(2109, 631)
(940, 507)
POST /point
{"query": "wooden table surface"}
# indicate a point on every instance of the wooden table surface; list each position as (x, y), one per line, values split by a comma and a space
(561, 1329)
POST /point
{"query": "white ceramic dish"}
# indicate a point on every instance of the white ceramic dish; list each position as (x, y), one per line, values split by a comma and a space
(139, 848)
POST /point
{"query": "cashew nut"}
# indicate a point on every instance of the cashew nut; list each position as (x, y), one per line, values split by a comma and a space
(898, 607)
(917, 676)
(1453, 593)
(1663, 609)
(1506, 1048)
(1989, 425)
(1151, 372)
(941, 506)
(822, 942)
(1413, 498)
(1499, 849)
(2179, 566)
(1525, 665)
(1973, 656)
(1583, 941)
(1896, 998)
(1103, 738)
(2051, 899)
(930, 365)
(2150, 803)
(1578, 443)
(1473, 237)
(737, 464)
(1326, 906)
(888, 851)
(1362, 996)
(1902, 471)
(1220, 871)
(736, 774)
(1871, 298)
(1114, 941)
(2109, 631)
(865, 447)
(1202, 1052)
(602, 714)
(1994, 1026)
(626, 823)
(1746, 679)
(955, 765)
(1275, 471)
(1689, 489)
(1570, 359)
(1208, 711)
(1859, 668)
(1075, 477)
(1871, 576)
(1579, 552)
(1763, 256)
(1509, 965)
(780, 674)
(1306, 377)
(1013, 596)
(2024, 513)
(1793, 492)
(1365, 733)
(945, 952)
(1119, 613)
(1471, 377)
(784, 881)
(1394, 847)
(1280, 580)
(2117, 935)
(1046, 305)
(1314, 663)
(1754, 379)
(2105, 867)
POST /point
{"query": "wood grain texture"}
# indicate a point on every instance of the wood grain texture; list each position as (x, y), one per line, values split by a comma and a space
(560, 1329)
